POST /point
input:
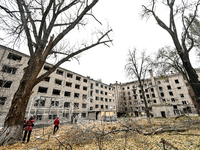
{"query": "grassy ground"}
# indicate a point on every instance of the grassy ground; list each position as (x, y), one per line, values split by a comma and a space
(96, 135)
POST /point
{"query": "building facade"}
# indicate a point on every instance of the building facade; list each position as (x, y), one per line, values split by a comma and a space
(63, 94)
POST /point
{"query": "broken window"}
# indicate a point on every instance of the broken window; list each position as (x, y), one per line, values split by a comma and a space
(83, 115)
(42, 89)
(176, 81)
(69, 84)
(102, 106)
(135, 96)
(60, 72)
(128, 87)
(172, 99)
(69, 75)
(76, 105)
(2, 100)
(78, 78)
(101, 92)
(184, 102)
(181, 95)
(91, 86)
(106, 93)
(39, 117)
(97, 98)
(97, 84)
(140, 91)
(40, 102)
(124, 98)
(46, 79)
(91, 108)
(57, 81)
(141, 96)
(162, 94)
(56, 92)
(91, 100)
(110, 100)
(77, 86)
(163, 100)
(54, 103)
(96, 106)
(179, 88)
(106, 106)
(85, 88)
(67, 104)
(175, 107)
(129, 97)
(66, 115)
(158, 82)
(106, 100)
(84, 96)
(14, 57)
(84, 105)
(160, 88)
(76, 95)
(5, 84)
(171, 93)
(152, 90)
(46, 68)
(97, 91)
(8, 69)
(146, 90)
(169, 87)
(91, 93)
(153, 95)
(154, 101)
(67, 93)
(85, 80)
(101, 86)
(147, 96)
(134, 91)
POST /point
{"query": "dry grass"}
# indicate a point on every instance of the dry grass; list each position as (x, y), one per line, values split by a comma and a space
(96, 135)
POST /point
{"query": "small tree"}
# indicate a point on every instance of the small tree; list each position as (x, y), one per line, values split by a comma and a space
(47, 27)
(137, 68)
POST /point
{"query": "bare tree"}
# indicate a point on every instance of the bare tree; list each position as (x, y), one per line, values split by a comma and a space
(183, 47)
(48, 25)
(137, 67)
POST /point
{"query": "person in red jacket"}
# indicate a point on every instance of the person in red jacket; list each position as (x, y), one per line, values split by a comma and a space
(28, 128)
(56, 125)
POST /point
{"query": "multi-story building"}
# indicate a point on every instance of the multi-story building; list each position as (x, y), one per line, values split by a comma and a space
(62, 94)
(166, 96)
(65, 93)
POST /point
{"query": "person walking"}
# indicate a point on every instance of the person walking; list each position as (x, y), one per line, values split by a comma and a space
(28, 128)
(72, 117)
(75, 119)
(56, 125)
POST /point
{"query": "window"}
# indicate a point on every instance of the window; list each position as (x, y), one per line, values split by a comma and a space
(91, 86)
(91, 93)
(60, 72)
(96, 106)
(76, 95)
(57, 81)
(167, 81)
(150, 83)
(129, 93)
(141, 97)
(67, 104)
(163, 100)
(56, 92)
(134, 91)
(106, 106)
(14, 57)
(184, 102)
(68, 94)
(69, 84)
(101, 98)
(66, 115)
(146, 90)
(162, 94)
(176, 81)
(140, 91)
(2, 100)
(85, 80)
(97, 91)
(83, 115)
(84, 88)
(77, 86)
(101, 92)
(5, 84)
(101, 86)
(91, 108)
(171, 94)
(106, 93)
(54, 103)
(122, 88)
(40, 102)
(158, 82)
(69, 75)
(39, 117)
(179, 88)
(84, 105)
(152, 90)
(175, 107)
(76, 105)
(106, 100)
(128, 87)
(46, 68)
(78, 78)
(91, 100)
(153, 95)
(181, 95)
(84, 96)
(154, 101)
(97, 98)
(160, 88)
(102, 106)
(42, 89)
(129, 97)
(47, 79)
(8, 69)
(105, 87)
(97, 84)
(172, 99)
(169, 87)
(110, 100)
(147, 96)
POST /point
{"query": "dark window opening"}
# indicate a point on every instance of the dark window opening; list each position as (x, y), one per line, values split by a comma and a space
(102, 106)
(39, 117)
(83, 115)
(42, 90)
(60, 72)
(106, 100)
(153, 95)
(2, 100)
(91, 108)
(78, 78)
(85, 88)
(59, 82)
(84, 105)
(172, 99)
(106, 93)
(76, 95)
(175, 107)
(154, 101)
(14, 57)
(97, 98)
(101, 86)
(97, 91)
(8, 69)
(181, 95)
(147, 96)
(77, 86)
(69, 75)
(84, 96)
(152, 90)
(91, 86)
(91, 93)
(179, 88)
(5, 84)
(160, 88)
(67, 104)
(85, 80)
(97, 84)
(39, 102)
(101, 98)
(56, 92)
(169, 87)
(76, 105)
(163, 100)
(54, 103)
(46, 67)
(66, 115)
(101, 92)
(158, 82)
(106, 106)
(162, 94)
(69, 84)
(171, 93)
(176, 81)
(96, 106)
(67, 93)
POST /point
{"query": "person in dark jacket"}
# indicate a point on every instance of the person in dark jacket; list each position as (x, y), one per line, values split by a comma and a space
(28, 128)
(24, 124)
(56, 125)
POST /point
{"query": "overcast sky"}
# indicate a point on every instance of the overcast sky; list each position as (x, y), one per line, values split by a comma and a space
(129, 31)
